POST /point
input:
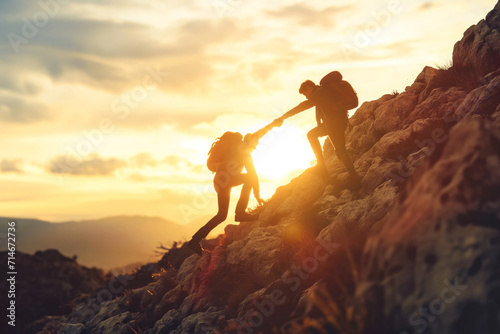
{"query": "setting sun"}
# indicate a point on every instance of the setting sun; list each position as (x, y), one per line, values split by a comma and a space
(281, 152)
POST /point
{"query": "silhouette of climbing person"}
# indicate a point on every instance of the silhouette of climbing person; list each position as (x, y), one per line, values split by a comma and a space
(331, 121)
(228, 174)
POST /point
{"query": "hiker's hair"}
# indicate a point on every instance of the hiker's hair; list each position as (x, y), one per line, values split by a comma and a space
(306, 84)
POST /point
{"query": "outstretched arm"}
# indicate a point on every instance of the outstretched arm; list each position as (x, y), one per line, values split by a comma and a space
(262, 132)
(299, 108)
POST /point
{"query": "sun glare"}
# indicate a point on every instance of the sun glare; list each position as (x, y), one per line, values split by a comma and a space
(282, 151)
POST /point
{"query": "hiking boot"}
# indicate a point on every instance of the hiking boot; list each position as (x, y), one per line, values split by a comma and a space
(195, 246)
(245, 217)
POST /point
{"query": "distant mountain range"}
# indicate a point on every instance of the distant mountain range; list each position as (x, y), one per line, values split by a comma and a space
(106, 243)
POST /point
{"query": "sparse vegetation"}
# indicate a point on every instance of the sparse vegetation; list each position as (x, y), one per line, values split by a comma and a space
(466, 77)
(445, 66)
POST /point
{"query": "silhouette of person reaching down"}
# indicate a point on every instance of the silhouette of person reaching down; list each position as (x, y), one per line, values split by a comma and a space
(331, 119)
(228, 156)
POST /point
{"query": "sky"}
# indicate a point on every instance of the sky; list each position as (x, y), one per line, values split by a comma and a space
(110, 107)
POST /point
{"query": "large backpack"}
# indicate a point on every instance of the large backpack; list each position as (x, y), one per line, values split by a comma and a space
(348, 99)
(222, 149)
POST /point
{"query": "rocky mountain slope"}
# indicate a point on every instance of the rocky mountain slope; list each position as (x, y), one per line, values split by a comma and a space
(46, 283)
(416, 250)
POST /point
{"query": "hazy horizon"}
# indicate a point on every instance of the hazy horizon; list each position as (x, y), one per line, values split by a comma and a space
(109, 108)
(107, 243)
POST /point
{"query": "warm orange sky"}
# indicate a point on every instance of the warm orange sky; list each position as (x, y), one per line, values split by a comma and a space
(125, 97)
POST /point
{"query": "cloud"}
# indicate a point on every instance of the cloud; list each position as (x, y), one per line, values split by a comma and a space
(15, 9)
(62, 67)
(18, 110)
(265, 71)
(180, 119)
(109, 56)
(11, 166)
(190, 75)
(210, 32)
(105, 39)
(306, 16)
(93, 165)
(102, 38)
(112, 56)
(199, 169)
(145, 159)
(399, 48)
(191, 69)
(142, 160)
(13, 81)
(426, 6)
(176, 161)
(125, 40)
(373, 53)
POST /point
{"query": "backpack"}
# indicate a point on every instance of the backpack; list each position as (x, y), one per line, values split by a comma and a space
(348, 99)
(222, 149)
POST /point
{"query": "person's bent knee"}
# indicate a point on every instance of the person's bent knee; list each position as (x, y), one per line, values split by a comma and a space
(221, 216)
(312, 135)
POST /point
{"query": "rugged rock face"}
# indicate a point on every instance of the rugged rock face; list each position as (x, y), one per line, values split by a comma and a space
(479, 47)
(416, 250)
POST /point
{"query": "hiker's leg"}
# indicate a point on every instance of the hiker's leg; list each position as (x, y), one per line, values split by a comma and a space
(246, 190)
(337, 138)
(313, 136)
(223, 197)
